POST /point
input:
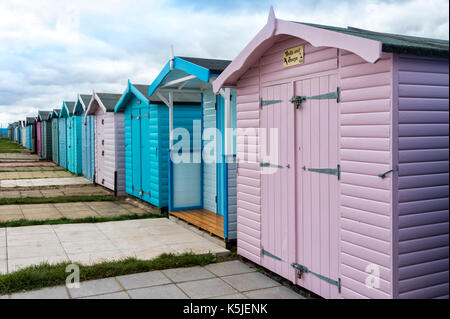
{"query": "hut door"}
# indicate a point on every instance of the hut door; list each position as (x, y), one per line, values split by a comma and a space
(277, 163)
(136, 138)
(100, 148)
(317, 136)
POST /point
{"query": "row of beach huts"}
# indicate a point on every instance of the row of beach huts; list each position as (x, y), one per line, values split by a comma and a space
(336, 177)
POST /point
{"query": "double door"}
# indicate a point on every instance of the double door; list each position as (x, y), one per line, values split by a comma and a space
(299, 183)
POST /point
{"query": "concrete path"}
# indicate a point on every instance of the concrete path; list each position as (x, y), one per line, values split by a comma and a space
(30, 168)
(34, 174)
(18, 156)
(227, 280)
(51, 164)
(93, 243)
(55, 191)
(68, 210)
(44, 182)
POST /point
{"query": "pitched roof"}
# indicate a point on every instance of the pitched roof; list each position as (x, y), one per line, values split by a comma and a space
(395, 42)
(86, 98)
(30, 120)
(44, 115)
(179, 97)
(109, 100)
(215, 66)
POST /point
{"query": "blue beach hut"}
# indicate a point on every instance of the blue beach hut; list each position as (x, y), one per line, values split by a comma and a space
(87, 136)
(63, 122)
(147, 139)
(203, 192)
(30, 132)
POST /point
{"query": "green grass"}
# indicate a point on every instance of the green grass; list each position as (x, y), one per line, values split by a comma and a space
(85, 220)
(6, 144)
(45, 275)
(57, 199)
(10, 151)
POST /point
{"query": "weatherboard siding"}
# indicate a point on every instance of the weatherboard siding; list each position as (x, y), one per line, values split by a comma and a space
(365, 151)
(248, 170)
(422, 211)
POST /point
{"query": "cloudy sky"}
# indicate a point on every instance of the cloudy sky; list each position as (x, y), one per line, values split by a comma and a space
(50, 50)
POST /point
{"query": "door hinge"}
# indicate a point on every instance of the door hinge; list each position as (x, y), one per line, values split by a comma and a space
(268, 102)
(329, 171)
(266, 253)
(298, 100)
(266, 164)
(304, 270)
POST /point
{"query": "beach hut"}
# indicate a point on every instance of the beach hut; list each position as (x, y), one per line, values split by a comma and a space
(46, 134)
(29, 124)
(55, 135)
(31, 121)
(87, 136)
(210, 202)
(342, 145)
(147, 139)
(63, 139)
(74, 136)
(23, 133)
(109, 142)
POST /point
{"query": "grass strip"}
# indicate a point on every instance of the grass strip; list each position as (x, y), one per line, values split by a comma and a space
(46, 275)
(57, 199)
(84, 220)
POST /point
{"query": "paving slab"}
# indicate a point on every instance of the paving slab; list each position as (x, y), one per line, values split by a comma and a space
(34, 174)
(273, 293)
(44, 182)
(146, 279)
(95, 287)
(250, 281)
(37, 164)
(228, 268)
(114, 295)
(206, 288)
(158, 292)
(188, 274)
(59, 292)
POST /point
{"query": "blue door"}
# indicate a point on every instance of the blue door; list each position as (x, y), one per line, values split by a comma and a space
(136, 152)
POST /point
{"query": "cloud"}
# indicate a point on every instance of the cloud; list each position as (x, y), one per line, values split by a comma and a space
(51, 50)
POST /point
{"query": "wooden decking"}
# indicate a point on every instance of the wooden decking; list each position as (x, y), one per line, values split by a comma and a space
(204, 219)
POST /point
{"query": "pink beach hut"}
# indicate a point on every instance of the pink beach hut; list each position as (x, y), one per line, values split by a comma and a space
(109, 142)
(348, 197)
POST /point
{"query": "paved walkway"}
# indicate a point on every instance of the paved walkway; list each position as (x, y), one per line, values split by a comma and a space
(51, 164)
(30, 168)
(227, 280)
(94, 243)
(67, 210)
(18, 156)
(44, 182)
(55, 191)
(34, 174)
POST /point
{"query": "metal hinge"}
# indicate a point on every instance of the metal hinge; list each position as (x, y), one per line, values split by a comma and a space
(266, 253)
(329, 171)
(265, 164)
(298, 100)
(304, 270)
(268, 102)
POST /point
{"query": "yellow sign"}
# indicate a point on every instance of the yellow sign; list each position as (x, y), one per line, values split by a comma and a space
(293, 56)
